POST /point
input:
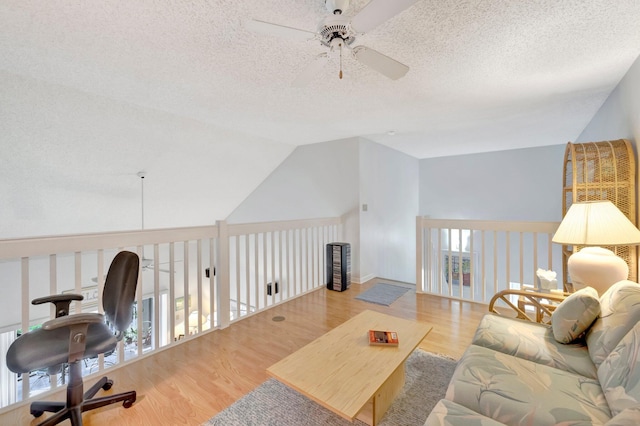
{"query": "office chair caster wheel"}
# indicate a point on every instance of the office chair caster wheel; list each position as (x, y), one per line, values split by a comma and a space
(128, 403)
(36, 413)
(107, 385)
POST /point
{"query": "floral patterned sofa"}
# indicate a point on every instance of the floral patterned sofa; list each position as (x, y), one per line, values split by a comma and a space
(519, 373)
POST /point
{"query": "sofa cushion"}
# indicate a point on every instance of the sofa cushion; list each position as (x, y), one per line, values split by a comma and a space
(628, 417)
(575, 314)
(619, 374)
(514, 391)
(448, 413)
(619, 312)
(535, 342)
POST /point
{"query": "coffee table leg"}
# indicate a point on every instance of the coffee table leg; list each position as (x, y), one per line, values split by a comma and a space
(373, 412)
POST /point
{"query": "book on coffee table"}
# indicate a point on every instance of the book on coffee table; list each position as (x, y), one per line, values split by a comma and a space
(383, 338)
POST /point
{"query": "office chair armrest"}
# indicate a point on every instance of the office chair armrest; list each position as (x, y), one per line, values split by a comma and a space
(57, 297)
(72, 320)
(62, 302)
(78, 325)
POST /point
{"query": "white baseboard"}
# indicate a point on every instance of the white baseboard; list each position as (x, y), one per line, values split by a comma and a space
(362, 280)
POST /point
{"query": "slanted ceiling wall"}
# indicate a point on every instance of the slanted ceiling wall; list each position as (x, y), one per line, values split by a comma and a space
(53, 181)
(619, 116)
(337, 179)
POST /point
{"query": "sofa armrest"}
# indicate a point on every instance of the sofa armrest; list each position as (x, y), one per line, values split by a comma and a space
(448, 413)
(542, 303)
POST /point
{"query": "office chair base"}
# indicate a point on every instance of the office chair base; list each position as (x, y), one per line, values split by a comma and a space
(73, 408)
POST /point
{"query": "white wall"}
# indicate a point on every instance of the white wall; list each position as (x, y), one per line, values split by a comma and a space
(521, 184)
(389, 188)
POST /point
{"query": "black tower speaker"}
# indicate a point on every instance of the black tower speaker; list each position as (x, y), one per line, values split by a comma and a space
(338, 266)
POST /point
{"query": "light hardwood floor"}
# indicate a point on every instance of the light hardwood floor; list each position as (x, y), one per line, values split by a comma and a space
(191, 382)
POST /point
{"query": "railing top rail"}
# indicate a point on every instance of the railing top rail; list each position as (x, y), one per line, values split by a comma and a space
(42, 246)
(490, 225)
(254, 228)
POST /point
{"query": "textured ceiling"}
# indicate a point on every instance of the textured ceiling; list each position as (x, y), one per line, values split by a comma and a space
(484, 74)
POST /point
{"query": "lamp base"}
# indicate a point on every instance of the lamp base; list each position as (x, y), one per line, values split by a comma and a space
(596, 267)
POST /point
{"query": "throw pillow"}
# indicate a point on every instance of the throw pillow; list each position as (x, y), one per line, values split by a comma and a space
(575, 314)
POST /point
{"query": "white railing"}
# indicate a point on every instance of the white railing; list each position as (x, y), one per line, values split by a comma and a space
(274, 263)
(191, 280)
(473, 260)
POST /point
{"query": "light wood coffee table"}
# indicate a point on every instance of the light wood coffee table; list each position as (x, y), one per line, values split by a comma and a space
(343, 373)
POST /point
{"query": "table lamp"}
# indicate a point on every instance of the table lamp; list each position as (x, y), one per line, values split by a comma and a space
(592, 224)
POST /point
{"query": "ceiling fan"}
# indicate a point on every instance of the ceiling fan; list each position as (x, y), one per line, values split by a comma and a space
(338, 32)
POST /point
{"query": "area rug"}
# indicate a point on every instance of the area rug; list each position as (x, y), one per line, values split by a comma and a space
(275, 404)
(382, 294)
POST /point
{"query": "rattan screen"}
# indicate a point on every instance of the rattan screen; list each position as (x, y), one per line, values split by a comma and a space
(601, 171)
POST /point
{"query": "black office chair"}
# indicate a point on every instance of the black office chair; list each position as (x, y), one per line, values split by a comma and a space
(68, 339)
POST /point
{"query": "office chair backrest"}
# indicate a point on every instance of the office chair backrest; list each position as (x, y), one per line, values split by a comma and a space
(120, 290)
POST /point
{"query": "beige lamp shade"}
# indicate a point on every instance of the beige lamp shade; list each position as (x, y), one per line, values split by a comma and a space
(596, 223)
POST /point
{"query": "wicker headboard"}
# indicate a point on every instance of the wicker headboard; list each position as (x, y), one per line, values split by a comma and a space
(601, 171)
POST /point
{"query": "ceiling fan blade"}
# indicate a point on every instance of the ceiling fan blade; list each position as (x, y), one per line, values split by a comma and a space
(168, 262)
(268, 28)
(376, 12)
(381, 63)
(312, 70)
(152, 268)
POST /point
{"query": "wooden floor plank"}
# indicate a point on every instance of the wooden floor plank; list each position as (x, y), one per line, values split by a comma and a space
(191, 382)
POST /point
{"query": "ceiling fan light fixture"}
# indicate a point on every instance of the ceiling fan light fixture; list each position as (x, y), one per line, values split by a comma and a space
(336, 28)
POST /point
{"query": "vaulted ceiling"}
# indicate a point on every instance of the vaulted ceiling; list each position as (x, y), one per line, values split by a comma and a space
(484, 75)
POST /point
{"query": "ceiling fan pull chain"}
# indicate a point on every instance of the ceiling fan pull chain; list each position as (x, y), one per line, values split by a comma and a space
(340, 61)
